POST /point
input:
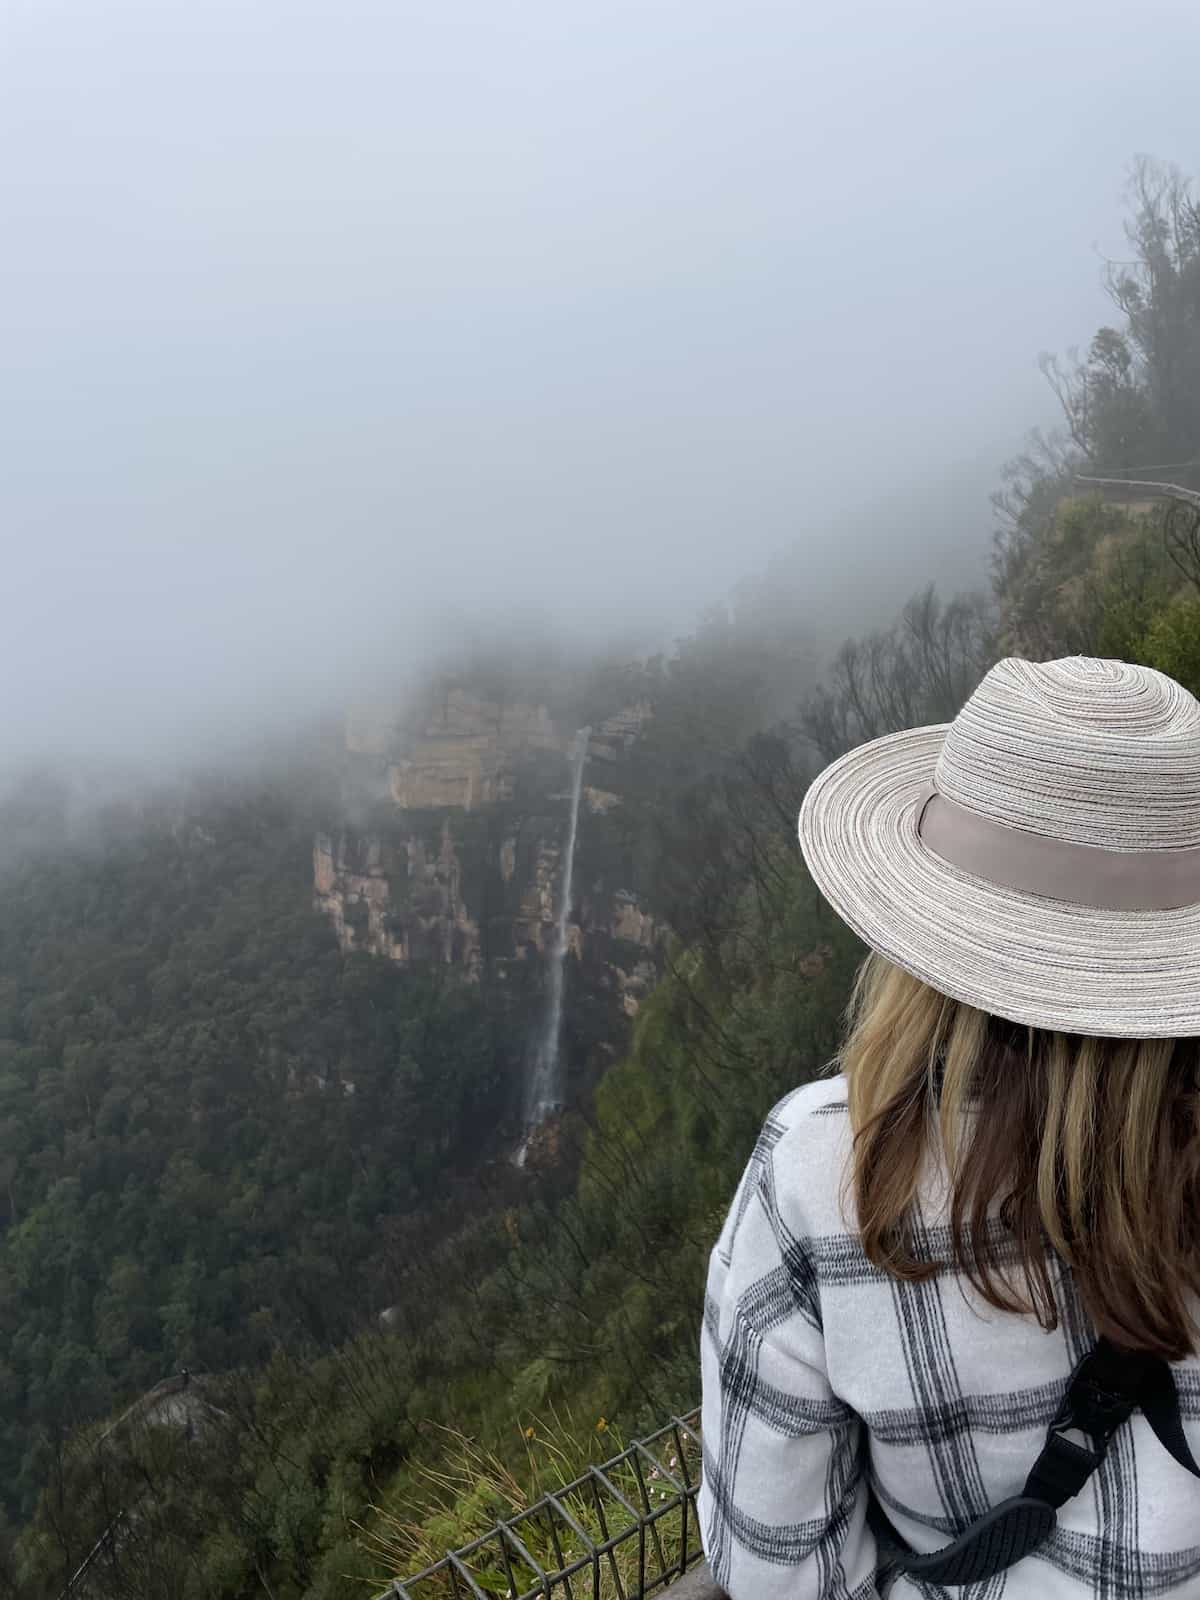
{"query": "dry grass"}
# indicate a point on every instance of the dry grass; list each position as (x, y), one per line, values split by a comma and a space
(470, 1489)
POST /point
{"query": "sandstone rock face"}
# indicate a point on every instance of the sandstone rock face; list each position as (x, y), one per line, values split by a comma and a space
(613, 737)
(508, 858)
(635, 985)
(450, 848)
(459, 752)
(598, 801)
(402, 900)
(324, 871)
(630, 922)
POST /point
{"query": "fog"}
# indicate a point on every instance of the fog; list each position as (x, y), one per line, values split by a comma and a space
(333, 330)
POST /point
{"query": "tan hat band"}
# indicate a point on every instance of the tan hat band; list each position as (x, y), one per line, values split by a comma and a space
(1085, 874)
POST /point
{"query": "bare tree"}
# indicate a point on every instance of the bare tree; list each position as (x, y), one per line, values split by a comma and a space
(920, 670)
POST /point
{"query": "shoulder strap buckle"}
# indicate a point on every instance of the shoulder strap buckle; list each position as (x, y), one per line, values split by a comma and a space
(1102, 1391)
(1091, 1408)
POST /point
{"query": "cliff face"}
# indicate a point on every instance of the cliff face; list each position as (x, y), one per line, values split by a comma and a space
(450, 846)
(427, 921)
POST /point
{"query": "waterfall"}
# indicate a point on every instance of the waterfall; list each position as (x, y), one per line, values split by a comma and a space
(545, 1091)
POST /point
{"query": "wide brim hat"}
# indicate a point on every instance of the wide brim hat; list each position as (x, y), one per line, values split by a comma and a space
(1071, 790)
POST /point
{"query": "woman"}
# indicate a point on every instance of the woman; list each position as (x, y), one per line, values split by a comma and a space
(999, 1189)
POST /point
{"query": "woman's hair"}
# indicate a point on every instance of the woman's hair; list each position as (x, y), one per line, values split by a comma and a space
(1053, 1143)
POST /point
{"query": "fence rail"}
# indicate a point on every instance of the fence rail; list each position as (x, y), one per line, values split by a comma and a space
(1167, 491)
(641, 1502)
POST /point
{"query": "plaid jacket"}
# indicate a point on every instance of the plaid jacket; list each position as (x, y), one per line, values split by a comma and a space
(818, 1371)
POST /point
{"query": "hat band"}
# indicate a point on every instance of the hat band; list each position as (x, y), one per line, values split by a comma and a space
(1086, 874)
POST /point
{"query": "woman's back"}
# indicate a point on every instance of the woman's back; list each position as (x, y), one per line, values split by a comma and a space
(921, 1252)
(810, 1348)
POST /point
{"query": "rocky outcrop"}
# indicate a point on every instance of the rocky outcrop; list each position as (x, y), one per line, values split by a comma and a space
(630, 922)
(613, 737)
(455, 851)
(633, 986)
(402, 899)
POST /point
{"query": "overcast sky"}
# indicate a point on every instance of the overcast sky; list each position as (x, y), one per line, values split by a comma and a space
(326, 325)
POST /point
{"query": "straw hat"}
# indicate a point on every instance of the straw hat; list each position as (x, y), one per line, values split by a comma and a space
(1039, 856)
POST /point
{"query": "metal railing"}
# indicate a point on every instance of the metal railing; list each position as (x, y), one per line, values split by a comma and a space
(644, 1496)
(1158, 489)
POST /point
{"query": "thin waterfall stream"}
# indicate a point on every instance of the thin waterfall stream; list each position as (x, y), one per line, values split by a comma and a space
(544, 1092)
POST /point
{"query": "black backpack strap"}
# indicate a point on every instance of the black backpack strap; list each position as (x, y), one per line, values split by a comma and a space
(1160, 1406)
(997, 1540)
(1104, 1388)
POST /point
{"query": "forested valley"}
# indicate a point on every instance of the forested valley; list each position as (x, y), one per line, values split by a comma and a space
(226, 1143)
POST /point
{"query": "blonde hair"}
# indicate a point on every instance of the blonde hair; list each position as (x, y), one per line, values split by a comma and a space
(1090, 1146)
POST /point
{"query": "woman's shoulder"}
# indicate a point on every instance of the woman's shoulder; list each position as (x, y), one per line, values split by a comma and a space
(808, 1135)
(821, 1098)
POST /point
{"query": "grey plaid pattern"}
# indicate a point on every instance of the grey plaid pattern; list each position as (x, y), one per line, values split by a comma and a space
(819, 1372)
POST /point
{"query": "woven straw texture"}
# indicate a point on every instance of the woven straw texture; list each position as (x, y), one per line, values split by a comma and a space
(1094, 751)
